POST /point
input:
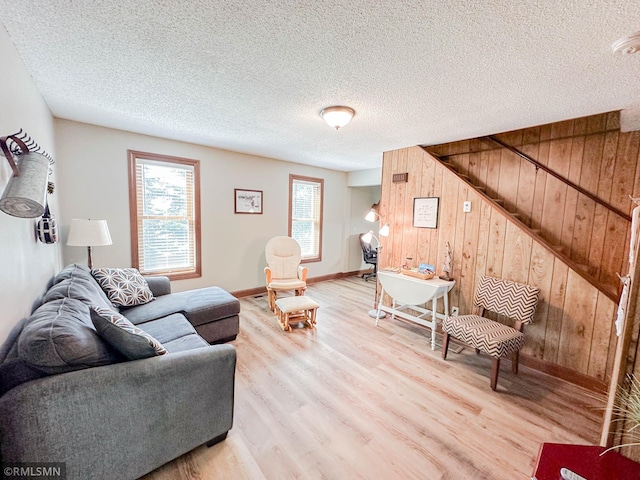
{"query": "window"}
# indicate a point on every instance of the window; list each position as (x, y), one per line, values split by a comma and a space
(164, 195)
(305, 215)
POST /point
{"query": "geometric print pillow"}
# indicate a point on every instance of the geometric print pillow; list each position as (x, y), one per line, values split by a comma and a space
(131, 341)
(125, 287)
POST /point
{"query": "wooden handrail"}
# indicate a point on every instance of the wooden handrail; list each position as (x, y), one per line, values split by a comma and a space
(566, 181)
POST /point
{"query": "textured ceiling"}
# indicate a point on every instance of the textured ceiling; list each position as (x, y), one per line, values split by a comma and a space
(252, 76)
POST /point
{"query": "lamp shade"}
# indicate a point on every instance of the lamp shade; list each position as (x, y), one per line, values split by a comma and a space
(384, 231)
(25, 194)
(88, 233)
(337, 116)
(371, 216)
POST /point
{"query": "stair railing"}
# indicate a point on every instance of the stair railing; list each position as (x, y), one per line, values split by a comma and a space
(564, 180)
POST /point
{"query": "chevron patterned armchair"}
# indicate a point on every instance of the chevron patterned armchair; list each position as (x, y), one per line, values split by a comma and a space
(516, 301)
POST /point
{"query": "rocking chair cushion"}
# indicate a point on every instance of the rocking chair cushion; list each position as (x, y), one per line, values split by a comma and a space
(286, 284)
(493, 338)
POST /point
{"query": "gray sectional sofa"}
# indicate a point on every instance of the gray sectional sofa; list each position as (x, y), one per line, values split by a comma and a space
(68, 396)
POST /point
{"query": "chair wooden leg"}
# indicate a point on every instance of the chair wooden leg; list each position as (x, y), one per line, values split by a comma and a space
(445, 345)
(273, 295)
(495, 368)
(515, 357)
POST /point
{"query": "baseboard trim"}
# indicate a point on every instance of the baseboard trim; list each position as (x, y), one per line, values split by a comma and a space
(564, 373)
(250, 292)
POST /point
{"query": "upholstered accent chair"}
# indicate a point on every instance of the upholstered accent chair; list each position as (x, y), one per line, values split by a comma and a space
(516, 301)
(283, 271)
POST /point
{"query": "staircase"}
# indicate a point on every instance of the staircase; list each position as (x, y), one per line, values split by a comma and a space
(589, 273)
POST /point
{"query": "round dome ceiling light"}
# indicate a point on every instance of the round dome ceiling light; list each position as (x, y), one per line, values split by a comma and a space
(338, 116)
(627, 45)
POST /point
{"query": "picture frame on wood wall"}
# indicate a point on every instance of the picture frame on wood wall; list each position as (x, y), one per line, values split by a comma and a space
(425, 212)
(247, 201)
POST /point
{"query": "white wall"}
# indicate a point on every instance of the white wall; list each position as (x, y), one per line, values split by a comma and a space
(26, 265)
(94, 184)
(370, 177)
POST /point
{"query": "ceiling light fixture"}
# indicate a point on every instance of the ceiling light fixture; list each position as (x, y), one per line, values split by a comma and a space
(627, 45)
(337, 116)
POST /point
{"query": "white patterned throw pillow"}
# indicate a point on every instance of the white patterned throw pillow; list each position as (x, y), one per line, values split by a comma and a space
(131, 341)
(125, 287)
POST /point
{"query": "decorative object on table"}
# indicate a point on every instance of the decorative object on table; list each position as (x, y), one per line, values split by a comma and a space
(46, 227)
(516, 301)
(446, 266)
(425, 212)
(426, 267)
(88, 233)
(417, 274)
(425, 271)
(25, 194)
(247, 201)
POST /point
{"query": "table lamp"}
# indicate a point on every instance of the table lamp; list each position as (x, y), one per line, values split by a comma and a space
(88, 233)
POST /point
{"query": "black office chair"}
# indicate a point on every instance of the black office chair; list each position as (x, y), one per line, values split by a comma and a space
(370, 256)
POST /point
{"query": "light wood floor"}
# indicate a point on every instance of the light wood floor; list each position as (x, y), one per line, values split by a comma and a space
(348, 400)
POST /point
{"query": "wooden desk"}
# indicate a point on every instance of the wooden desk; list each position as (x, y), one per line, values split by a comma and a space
(585, 460)
(410, 293)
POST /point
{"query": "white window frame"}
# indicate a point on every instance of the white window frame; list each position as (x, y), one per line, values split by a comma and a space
(315, 256)
(136, 159)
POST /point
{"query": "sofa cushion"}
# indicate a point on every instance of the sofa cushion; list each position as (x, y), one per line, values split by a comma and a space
(75, 281)
(120, 333)
(188, 342)
(168, 328)
(60, 337)
(199, 306)
(125, 287)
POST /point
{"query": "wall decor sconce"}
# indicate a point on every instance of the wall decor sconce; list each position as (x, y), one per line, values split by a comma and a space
(25, 193)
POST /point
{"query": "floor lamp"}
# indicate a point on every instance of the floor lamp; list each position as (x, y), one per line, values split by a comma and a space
(368, 237)
(88, 233)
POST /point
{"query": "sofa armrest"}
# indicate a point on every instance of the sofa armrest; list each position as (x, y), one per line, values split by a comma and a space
(302, 273)
(268, 275)
(121, 420)
(159, 285)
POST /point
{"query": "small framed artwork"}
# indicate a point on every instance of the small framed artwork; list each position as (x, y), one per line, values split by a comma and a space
(247, 201)
(425, 212)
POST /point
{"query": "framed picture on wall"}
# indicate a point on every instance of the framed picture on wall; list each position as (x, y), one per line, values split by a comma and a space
(425, 212)
(247, 201)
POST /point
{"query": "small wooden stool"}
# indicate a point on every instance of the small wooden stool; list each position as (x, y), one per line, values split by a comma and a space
(296, 309)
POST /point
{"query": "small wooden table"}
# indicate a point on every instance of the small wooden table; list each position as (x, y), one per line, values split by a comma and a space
(585, 460)
(410, 293)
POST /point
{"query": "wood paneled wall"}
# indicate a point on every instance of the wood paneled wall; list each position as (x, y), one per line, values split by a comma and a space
(574, 321)
(589, 151)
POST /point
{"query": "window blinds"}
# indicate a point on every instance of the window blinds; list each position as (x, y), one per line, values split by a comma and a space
(306, 201)
(166, 216)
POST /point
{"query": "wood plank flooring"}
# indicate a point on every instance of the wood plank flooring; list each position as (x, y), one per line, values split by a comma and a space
(351, 400)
